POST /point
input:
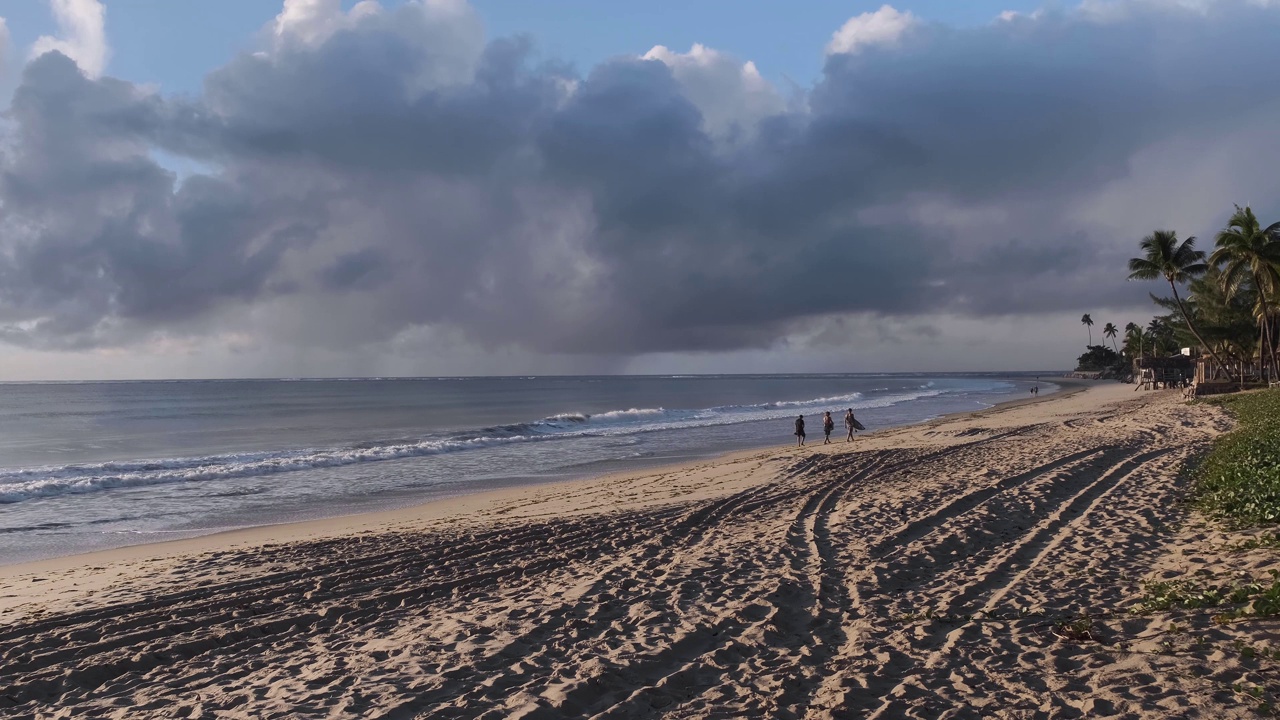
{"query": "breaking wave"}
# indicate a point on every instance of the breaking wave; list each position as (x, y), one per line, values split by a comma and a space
(17, 485)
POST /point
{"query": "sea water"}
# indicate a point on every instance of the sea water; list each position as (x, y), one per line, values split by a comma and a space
(86, 466)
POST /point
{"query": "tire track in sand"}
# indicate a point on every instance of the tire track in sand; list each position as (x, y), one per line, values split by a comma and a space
(995, 578)
(648, 573)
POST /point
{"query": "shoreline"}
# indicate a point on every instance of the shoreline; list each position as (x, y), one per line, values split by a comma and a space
(998, 558)
(445, 506)
(462, 503)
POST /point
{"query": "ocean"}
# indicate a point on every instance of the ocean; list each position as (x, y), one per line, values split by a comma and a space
(87, 466)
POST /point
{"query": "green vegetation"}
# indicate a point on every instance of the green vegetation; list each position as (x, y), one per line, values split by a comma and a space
(1232, 308)
(1161, 595)
(1239, 480)
(1255, 599)
(1176, 262)
(1110, 331)
(1079, 630)
(1250, 255)
(1099, 357)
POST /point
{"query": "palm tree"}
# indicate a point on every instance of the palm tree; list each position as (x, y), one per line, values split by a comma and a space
(1134, 333)
(1177, 263)
(1110, 330)
(1248, 252)
(1159, 335)
(1088, 323)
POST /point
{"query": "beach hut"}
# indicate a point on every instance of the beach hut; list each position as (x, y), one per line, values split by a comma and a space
(1212, 378)
(1171, 371)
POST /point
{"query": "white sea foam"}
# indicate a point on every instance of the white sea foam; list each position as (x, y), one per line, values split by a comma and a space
(28, 483)
(837, 399)
(633, 413)
(21, 484)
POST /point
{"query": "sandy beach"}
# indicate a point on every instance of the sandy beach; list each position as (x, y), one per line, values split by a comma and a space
(936, 570)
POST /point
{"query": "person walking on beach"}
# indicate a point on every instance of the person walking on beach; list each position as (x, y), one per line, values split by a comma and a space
(800, 431)
(827, 426)
(848, 425)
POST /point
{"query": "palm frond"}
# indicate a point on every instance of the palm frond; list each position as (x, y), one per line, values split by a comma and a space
(1143, 269)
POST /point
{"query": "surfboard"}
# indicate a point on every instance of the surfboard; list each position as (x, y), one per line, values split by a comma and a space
(857, 425)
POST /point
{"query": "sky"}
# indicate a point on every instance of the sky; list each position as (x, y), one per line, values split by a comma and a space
(436, 187)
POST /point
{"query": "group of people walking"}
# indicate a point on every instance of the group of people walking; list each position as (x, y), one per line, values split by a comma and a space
(850, 424)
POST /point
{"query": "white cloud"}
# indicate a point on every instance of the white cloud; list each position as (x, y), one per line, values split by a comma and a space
(447, 34)
(82, 24)
(731, 96)
(882, 27)
(1015, 16)
(4, 43)
(314, 21)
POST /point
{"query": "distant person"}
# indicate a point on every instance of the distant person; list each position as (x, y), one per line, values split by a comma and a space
(850, 424)
(800, 431)
(827, 426)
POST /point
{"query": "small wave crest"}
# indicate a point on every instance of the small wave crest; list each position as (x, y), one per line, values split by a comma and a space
(30, 483)
(607, 416)
(834, 399)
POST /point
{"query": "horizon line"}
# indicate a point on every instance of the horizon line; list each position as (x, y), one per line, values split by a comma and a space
(517, 376)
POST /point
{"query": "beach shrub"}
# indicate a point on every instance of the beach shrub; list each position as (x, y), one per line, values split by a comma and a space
(1099, 357)
(1239, 480)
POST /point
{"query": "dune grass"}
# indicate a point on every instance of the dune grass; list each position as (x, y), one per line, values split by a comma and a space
(1239, 480)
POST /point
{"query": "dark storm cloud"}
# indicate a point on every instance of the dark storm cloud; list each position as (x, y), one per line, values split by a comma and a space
(100, 243)
(421, 181)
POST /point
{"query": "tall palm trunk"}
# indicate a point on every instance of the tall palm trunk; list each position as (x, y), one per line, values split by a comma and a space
(1266, 350)
(1269, 345)
(1263, 335)
(1194, 331)
(1268, 357)
(1271, 341)
(1262, 343)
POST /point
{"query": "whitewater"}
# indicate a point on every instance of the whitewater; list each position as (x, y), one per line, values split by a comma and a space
(86, 466)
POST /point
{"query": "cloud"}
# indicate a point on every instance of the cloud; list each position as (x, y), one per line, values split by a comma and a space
(1111, 10)
(4, 43)
(884, 27)
(83, 26)
(388, 179)
(732, 97)
(311, 22)
(446, 36)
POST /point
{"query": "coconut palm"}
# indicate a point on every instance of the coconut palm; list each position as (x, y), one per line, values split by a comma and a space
(1133, 336)
(1159, 336)
(1176, 262)
(1110, 330)
(1228, 323)
(1088, 323)
(1249, 253)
